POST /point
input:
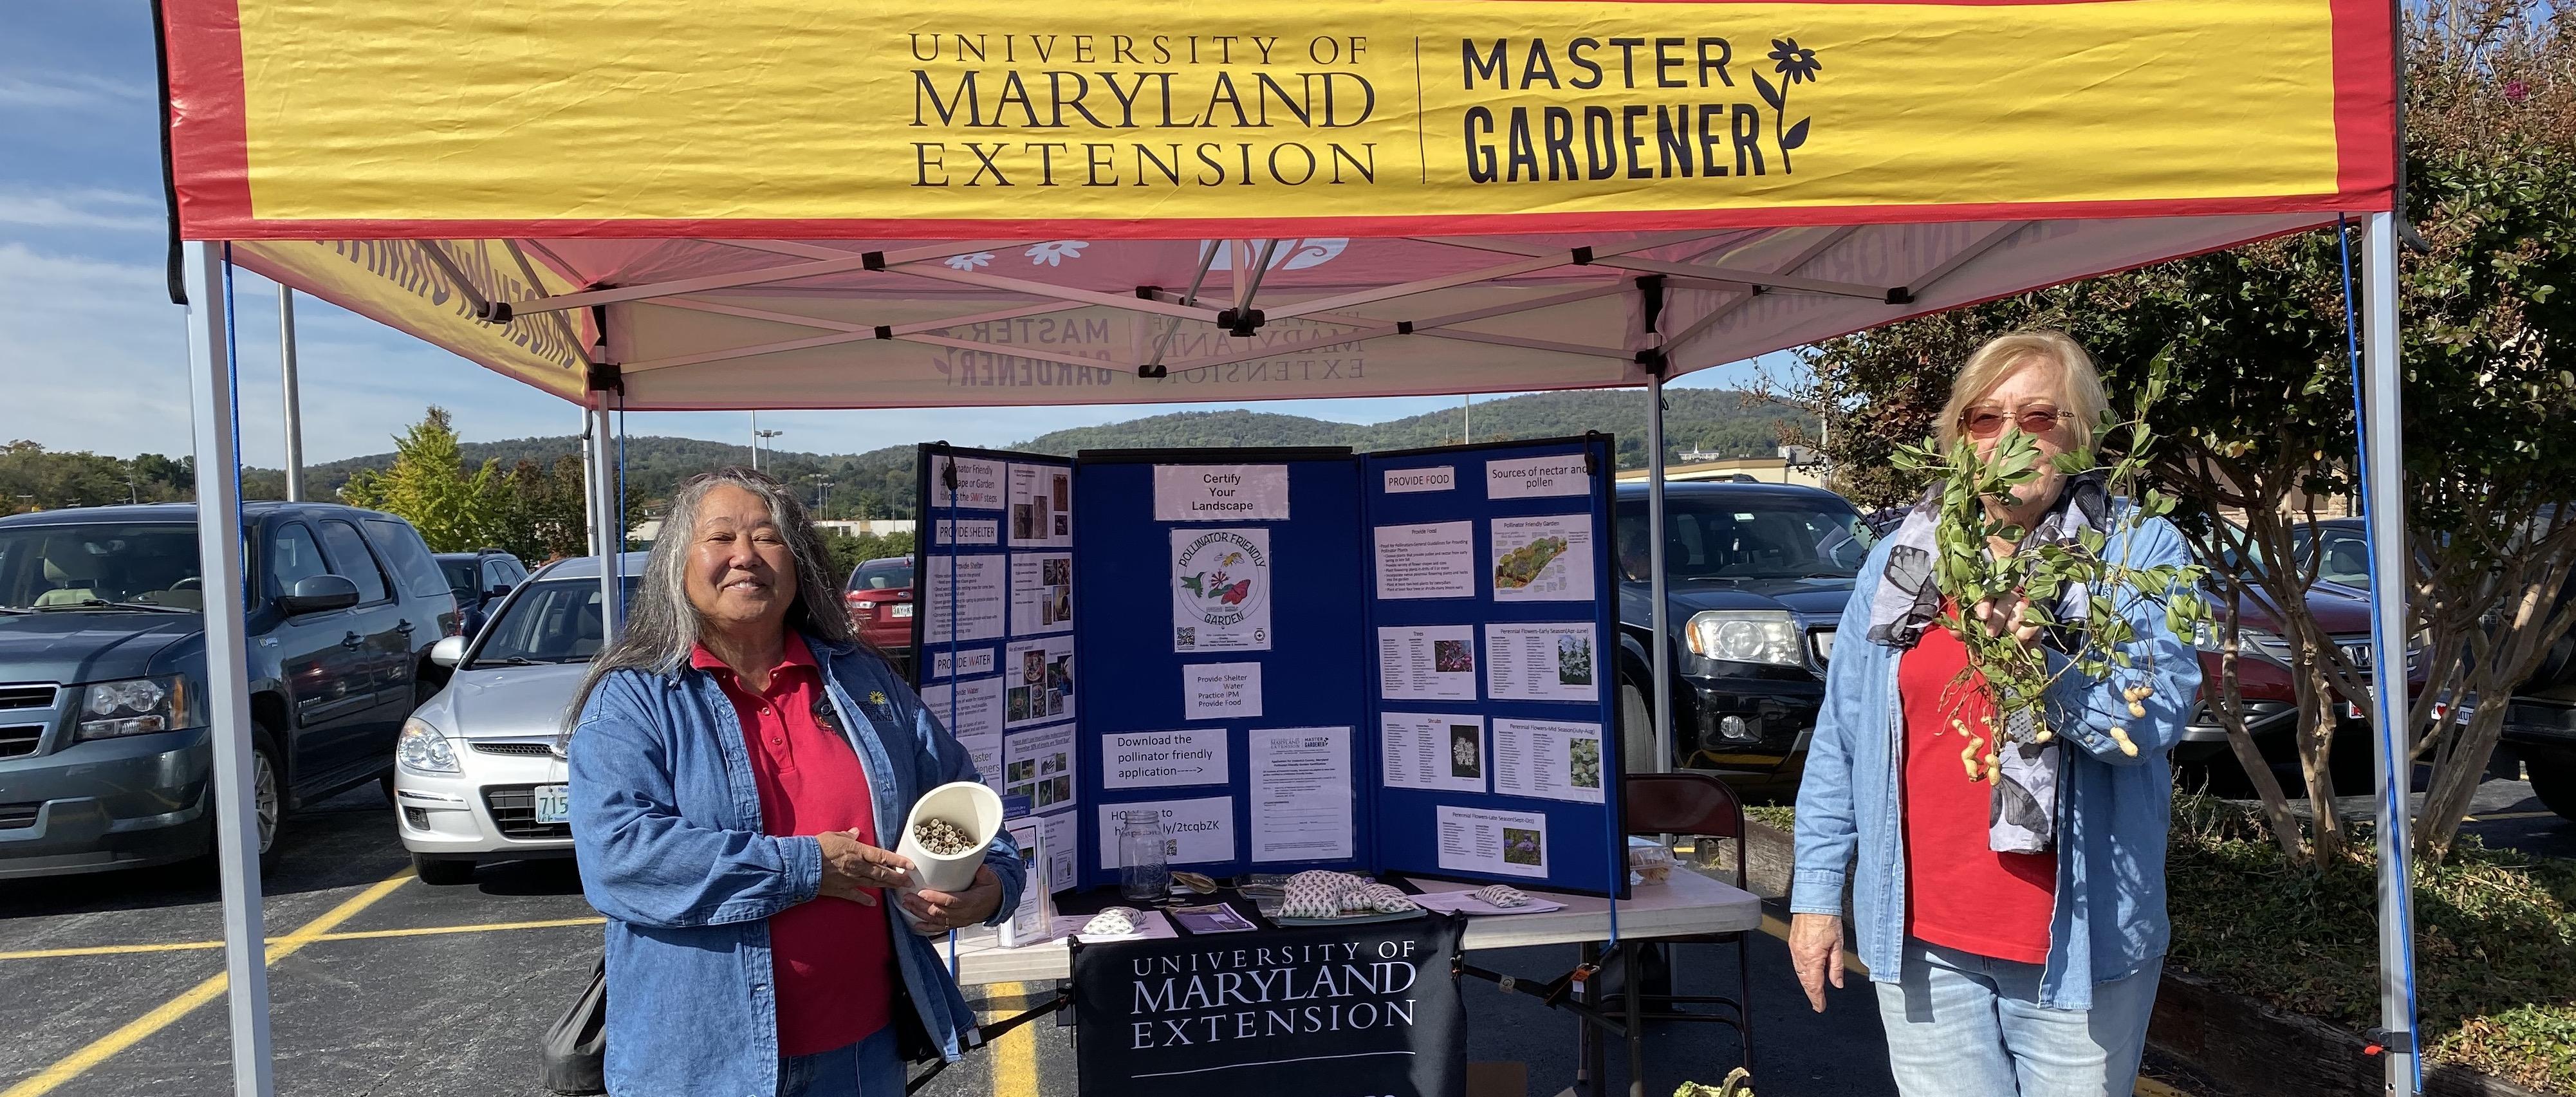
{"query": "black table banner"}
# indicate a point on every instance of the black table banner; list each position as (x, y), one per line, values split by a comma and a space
(1326, 1011)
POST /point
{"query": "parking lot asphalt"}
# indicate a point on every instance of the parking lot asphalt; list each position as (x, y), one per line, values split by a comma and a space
(383, 985)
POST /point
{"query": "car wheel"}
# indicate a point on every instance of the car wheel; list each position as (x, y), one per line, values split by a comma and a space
(2554, 782)
(267, 803)
(440, 872)
(1636, 731)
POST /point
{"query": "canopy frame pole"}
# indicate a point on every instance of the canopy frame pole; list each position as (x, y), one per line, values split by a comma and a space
(2384, 470)
(213, 397)
(843, 262)
(607, 519)
(1163, 342)
(1540, 259)
(292, 393)
(1744, 296)
(1660, 705)
(1730, 276)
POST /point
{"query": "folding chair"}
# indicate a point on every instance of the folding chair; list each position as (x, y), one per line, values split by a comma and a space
(1703, 806)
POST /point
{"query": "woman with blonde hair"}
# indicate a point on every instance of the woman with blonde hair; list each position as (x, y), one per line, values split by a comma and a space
(2014, 928)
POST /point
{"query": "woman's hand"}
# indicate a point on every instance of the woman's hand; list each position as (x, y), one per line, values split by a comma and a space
(1816, 951)
(853, 869)
(2004, 618)
(940, 911)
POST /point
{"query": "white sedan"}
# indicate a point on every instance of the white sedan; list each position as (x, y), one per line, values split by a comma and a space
(478, 774)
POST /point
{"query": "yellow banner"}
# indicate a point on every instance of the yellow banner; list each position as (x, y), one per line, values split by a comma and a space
(1559, 113)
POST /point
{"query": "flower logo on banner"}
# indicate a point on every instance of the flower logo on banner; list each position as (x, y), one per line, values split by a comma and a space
(970, 262)
(1796, 65)
(1055, 252)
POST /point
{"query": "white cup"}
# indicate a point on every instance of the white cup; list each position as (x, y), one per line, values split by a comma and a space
(970, 806)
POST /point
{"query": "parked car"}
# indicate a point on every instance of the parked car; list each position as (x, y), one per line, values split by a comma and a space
(2540, 718)
(480, 579)
(2264, 662)
(480, 775)
(880, 603)
(1757, 576)
(105, 756)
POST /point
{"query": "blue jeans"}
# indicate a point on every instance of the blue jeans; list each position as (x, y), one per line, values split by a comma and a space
(868, 1068)
(1963, 1025)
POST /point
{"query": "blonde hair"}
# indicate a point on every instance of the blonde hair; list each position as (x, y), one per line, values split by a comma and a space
(2079, 386)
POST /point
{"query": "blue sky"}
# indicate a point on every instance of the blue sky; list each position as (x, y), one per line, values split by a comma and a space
(95, 356)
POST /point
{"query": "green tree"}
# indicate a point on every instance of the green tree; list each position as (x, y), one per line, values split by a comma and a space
(2260, 422)
(428, 485)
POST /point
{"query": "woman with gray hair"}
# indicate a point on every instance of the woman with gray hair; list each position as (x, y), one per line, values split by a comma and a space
(741, 767)
(2015, 927)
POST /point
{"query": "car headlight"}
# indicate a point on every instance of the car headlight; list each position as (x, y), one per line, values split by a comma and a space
(2257, 642)
(136, 706)
(423, 750)
(1745, 636)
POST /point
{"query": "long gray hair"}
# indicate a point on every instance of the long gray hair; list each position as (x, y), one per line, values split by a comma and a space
(662, 626)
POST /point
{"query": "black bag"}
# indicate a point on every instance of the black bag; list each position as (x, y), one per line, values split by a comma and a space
(573, 1058)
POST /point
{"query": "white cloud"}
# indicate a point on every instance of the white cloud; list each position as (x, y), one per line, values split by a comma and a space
(83, 209)
(70, 89)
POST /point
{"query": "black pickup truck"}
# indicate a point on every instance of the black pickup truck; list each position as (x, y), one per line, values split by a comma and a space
(105, 754)
(1757, 576)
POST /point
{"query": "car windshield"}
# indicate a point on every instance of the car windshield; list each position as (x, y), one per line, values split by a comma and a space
(132, 566)
(2346, 558)
(882, 575)
(556, 621)
(1749, 538)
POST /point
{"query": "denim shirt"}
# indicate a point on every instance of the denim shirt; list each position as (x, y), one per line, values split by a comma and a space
(2113, 809)
(667, 825)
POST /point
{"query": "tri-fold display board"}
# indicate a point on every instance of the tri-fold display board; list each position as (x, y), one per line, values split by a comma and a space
(1296, 658)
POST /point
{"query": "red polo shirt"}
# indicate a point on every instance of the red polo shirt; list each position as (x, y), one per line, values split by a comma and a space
(1959, 892)
(832, 959)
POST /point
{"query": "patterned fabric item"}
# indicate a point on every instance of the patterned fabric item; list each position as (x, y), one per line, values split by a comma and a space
(2023, 817)
(1376, 899)
(1504, 896)
(1317, 893)
(1112, 922)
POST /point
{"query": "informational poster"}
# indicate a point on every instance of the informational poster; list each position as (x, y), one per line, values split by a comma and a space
(1039, 765)
(1503, 843)
(1041, 505)
(1543, 559)
(1039, 676)
(1538, 477)
(1164, 759)
(1427, 662)
(1221, 592)
(1406, 481)
(1301, 789)
(966, 590)
(972, 711)
(963, 663)
(1432, 560)
(967, 531)
(1547, 759)
(1196, 832)
(1217, 691)
(1432, 751)
(1063, 839)
(1221, 493)
(978, 483)
(1041, 593)
(1540, 662)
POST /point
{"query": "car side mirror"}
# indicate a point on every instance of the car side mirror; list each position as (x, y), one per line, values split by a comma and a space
(448, 652)
(320, 593)
(497, 592)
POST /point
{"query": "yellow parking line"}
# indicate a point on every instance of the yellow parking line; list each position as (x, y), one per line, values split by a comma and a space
(2149, 1087)
(355, 935)
(98, 1051)
(2503, 815)
(1015, 1055)
(1771, 924)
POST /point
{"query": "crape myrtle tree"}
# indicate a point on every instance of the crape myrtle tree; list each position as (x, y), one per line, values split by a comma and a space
(2258, 422)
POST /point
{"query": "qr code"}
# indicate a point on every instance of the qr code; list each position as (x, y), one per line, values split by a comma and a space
(1185, 637)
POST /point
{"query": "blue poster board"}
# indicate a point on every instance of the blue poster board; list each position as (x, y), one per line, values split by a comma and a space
(1293, 658)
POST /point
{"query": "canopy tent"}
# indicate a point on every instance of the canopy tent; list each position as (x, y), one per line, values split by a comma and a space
(662, 204)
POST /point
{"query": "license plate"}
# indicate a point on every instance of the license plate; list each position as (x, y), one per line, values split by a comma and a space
(554, 803)
(903, 609)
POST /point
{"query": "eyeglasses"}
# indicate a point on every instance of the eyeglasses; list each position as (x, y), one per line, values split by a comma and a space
(1989, 422)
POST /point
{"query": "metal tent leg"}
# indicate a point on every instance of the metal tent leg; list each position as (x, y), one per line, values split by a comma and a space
(1660, 705)
(2384, 469)
(294, 393)
(219, 553)
(607, 518)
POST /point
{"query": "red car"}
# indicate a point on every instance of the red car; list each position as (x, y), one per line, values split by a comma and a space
(2271, 704)
(880, 604)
